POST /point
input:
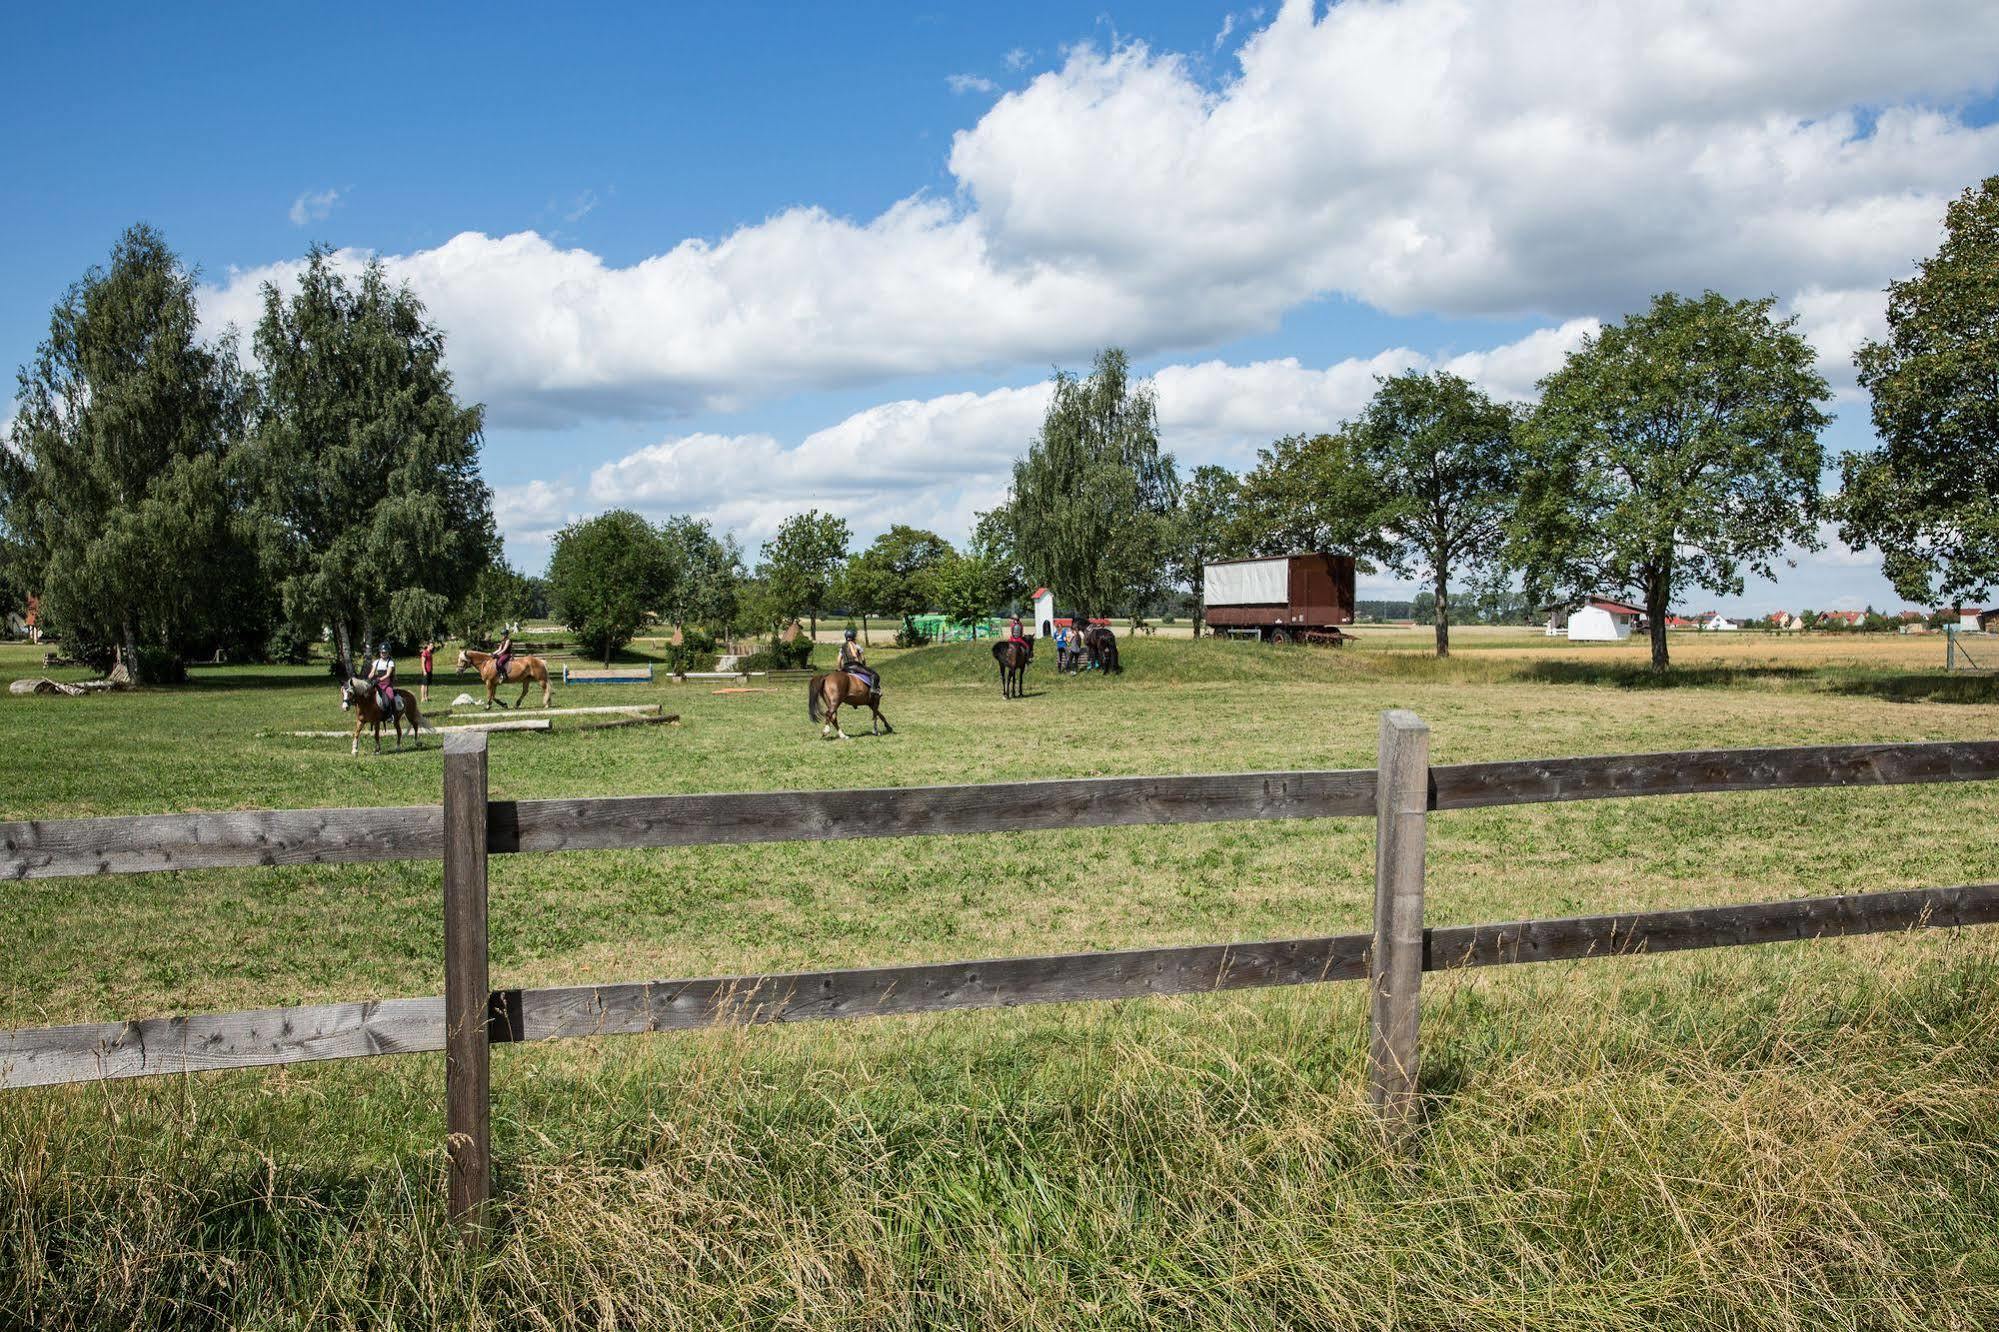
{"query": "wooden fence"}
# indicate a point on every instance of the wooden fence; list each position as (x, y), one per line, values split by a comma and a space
(471, 1017)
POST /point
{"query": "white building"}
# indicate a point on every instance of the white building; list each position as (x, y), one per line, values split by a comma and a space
(1043, 621)
(1716, 622)
(1598, 620)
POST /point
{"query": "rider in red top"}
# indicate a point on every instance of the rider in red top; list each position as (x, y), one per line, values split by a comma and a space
(1013, 632)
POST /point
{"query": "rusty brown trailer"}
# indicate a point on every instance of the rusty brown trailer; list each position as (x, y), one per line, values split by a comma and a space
(1319, 603)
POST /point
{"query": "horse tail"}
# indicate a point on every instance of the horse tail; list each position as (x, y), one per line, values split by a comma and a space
(812, 697)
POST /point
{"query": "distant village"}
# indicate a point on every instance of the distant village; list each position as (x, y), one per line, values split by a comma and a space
(1601, 619)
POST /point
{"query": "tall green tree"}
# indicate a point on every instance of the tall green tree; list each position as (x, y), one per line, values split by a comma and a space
(1310, 493)
(708, 583)
(500, 595)
(801, 564)
(1928, 496)
(365, 465)
(1672, 451)
(1204, 528)
(891, 578)
(993, 541)
(608, 576)
(116, 486)
(1092, 501)
(962, 587)
(1444, 466)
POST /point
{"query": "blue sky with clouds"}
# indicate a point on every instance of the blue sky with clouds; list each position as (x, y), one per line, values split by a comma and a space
(745, 261)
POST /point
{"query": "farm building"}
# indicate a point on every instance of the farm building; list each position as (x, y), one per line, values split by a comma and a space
(1280, 598)
(1597, 620)
(1715, 622)
(1042, 622)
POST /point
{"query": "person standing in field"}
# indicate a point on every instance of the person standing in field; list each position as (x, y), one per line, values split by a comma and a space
(425, 656)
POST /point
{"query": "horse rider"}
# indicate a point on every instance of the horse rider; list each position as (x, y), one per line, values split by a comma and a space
(852, 661)
(502, 653)
(1014, 634)
(382, 674)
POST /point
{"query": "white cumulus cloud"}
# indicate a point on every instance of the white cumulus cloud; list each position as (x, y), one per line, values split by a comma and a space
(1554, 158)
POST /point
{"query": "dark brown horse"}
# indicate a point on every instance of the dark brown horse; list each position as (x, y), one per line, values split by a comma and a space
(520, 667)
(366, 700)
(1012, 658)
(834, 690)
(1102, 645)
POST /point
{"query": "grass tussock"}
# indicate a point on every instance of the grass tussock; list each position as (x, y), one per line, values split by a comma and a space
(1786, 1138)
(1648, 1150)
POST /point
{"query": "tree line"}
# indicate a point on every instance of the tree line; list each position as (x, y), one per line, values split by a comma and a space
(1676, 450)
(160, 497)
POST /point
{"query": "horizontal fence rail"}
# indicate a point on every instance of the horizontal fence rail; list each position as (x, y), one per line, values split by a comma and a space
(152, 843)
(157, 1046)
(471, 1017)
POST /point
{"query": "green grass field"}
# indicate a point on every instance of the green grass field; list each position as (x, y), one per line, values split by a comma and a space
(1800, 1136)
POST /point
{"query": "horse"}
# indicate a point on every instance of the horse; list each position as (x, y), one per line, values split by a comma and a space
(1102, 644)
(528, 670)
(1012, 658)
(833, 690)
(366, 700)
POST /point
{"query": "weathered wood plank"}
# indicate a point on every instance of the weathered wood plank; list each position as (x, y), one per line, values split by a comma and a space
(467, 1055)
(668, 719)
(150, 1047)
(677, 1005)
(1674, 930)
(48, 1055)
(625, 709)
(779, 816)
(150, 843)
(156, 842)
(1396, 970)
(368, 734)
(1689, 772)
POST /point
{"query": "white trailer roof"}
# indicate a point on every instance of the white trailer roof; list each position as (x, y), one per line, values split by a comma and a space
(1248, 582)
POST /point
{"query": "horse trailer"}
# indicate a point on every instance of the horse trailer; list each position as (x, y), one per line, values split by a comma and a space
(1282, 598)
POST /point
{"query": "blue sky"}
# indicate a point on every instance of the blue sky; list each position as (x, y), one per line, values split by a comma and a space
(745, 261)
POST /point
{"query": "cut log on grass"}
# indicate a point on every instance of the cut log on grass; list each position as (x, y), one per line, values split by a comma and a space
(538, 724)
(670, 719)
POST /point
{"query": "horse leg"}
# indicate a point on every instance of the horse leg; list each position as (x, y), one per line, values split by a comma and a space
(544, 689)
(354, 750)
(525, 683)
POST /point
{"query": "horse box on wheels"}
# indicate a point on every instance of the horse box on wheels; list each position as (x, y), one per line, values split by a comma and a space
(1281, 598)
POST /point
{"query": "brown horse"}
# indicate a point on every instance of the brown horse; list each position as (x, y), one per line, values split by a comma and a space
(366, 700)
(520, 667)
(1012, 658)
(836, 689)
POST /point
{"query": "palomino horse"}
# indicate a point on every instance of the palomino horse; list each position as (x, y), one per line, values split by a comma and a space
(1012, 658)
(366, 700)
(527, 670)
(836, 689)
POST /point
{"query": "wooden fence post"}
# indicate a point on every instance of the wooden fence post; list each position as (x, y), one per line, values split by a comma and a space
(1402, 800)
(467, 1053)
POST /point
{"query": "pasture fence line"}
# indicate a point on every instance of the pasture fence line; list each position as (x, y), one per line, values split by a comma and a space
(471, 1017)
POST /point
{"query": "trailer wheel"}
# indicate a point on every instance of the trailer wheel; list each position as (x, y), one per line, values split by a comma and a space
(1280, 636)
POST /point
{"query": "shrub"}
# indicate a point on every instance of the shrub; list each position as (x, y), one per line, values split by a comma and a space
(778, 655)
(695, 648)
(159, 666)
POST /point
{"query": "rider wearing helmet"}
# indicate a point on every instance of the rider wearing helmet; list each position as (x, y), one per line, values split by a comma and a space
(382, 672)
(852, 661)
(503, 654)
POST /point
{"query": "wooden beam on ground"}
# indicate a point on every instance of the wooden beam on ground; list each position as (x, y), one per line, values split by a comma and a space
(625, 709)
(670, 719)
(537, 724)
(52, 1055)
